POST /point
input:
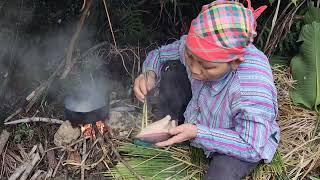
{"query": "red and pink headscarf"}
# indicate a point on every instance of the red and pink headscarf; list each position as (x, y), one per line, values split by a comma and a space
(223, 30)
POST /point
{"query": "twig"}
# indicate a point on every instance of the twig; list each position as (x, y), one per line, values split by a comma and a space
(26, 165)
(41, 150)
(35, 119)
(3, 160)
(85, 156)
(37, 93)
(65, 147)
(18, 171)
(3, 139)
(110, 25)
(69, 60)
(57, 167)
(51, 159)
(83, 5)
(297, 148)
(274, 20)
(83, 161)
(30, 166)
(33, 150)
(36, 175)
(106, 164)
(13, 114)
(105, 154)
(92, 49)
(49, 174)
(23, 153)
(14, 156)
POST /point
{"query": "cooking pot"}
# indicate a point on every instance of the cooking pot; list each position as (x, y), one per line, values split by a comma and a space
(86, 110)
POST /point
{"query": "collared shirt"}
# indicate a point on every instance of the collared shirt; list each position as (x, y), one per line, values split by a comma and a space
(235, 115)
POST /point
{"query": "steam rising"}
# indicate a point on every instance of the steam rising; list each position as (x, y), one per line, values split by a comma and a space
(27, 59)
(86, 97)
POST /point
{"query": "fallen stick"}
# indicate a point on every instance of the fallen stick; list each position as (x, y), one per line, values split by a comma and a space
(30, 166)
(36, 175)
(83, 163)
(49, 174)
(69, 61)
(19, 171)
(13, 115)
(57, 167)
(110, 25)
(41, 150)
(25, 164)
(3, 139)
(33, 150)
(84, 157)
(21, 168)
(35, 119)
(51, 159)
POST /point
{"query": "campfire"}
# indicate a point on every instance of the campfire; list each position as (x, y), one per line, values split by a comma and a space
(89, 130)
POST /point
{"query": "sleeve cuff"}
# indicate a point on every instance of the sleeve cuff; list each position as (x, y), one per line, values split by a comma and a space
(201, 131)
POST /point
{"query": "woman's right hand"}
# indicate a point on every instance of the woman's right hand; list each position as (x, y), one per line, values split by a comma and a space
(143, 84)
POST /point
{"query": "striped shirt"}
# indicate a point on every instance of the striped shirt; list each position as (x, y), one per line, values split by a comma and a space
(235, 115)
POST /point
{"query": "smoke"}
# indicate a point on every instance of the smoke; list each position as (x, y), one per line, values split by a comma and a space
(27, 59)
(89, 96)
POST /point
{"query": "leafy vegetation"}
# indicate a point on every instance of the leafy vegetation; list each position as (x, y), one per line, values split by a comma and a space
(154, 163)
(306, 65)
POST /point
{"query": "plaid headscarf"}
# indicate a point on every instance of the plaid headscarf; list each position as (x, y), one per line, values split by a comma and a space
(222, 31)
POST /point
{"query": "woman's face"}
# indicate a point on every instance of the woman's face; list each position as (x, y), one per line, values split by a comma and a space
(205, 70)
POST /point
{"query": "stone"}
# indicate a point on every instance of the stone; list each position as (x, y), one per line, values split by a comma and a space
(66, 134)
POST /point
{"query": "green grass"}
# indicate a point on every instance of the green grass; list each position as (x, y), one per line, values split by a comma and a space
(154, 163)
(275, 170)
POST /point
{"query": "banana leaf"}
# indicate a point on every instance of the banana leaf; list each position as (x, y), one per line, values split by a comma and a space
(306, 68)
(312, 15)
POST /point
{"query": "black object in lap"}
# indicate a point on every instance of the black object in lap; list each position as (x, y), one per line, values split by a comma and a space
(174, 92)
(228, 168)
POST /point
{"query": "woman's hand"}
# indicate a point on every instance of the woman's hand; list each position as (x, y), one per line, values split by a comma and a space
(181, 133)
(143, 84)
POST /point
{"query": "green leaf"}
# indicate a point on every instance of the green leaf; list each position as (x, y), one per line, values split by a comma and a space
(314, 178)
(312, 15)
(306, 68)
(158, 164)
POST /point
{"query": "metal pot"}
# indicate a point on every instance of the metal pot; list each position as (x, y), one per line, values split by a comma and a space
(97, 111)
(90, 117)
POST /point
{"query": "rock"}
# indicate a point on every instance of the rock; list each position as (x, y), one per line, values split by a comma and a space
(66, 134)
(115, 118)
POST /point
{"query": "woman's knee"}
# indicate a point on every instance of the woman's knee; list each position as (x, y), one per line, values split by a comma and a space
(223, 167)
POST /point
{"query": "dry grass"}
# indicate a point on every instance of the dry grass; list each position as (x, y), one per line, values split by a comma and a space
(299, 146)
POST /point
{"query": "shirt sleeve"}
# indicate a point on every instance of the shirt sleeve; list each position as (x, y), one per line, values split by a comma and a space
(248, 139)
(157, 57)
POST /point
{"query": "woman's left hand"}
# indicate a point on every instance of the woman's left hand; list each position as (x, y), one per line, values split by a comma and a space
(181, 133)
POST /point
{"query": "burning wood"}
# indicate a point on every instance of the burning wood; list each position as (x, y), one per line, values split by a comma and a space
(88, 130)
